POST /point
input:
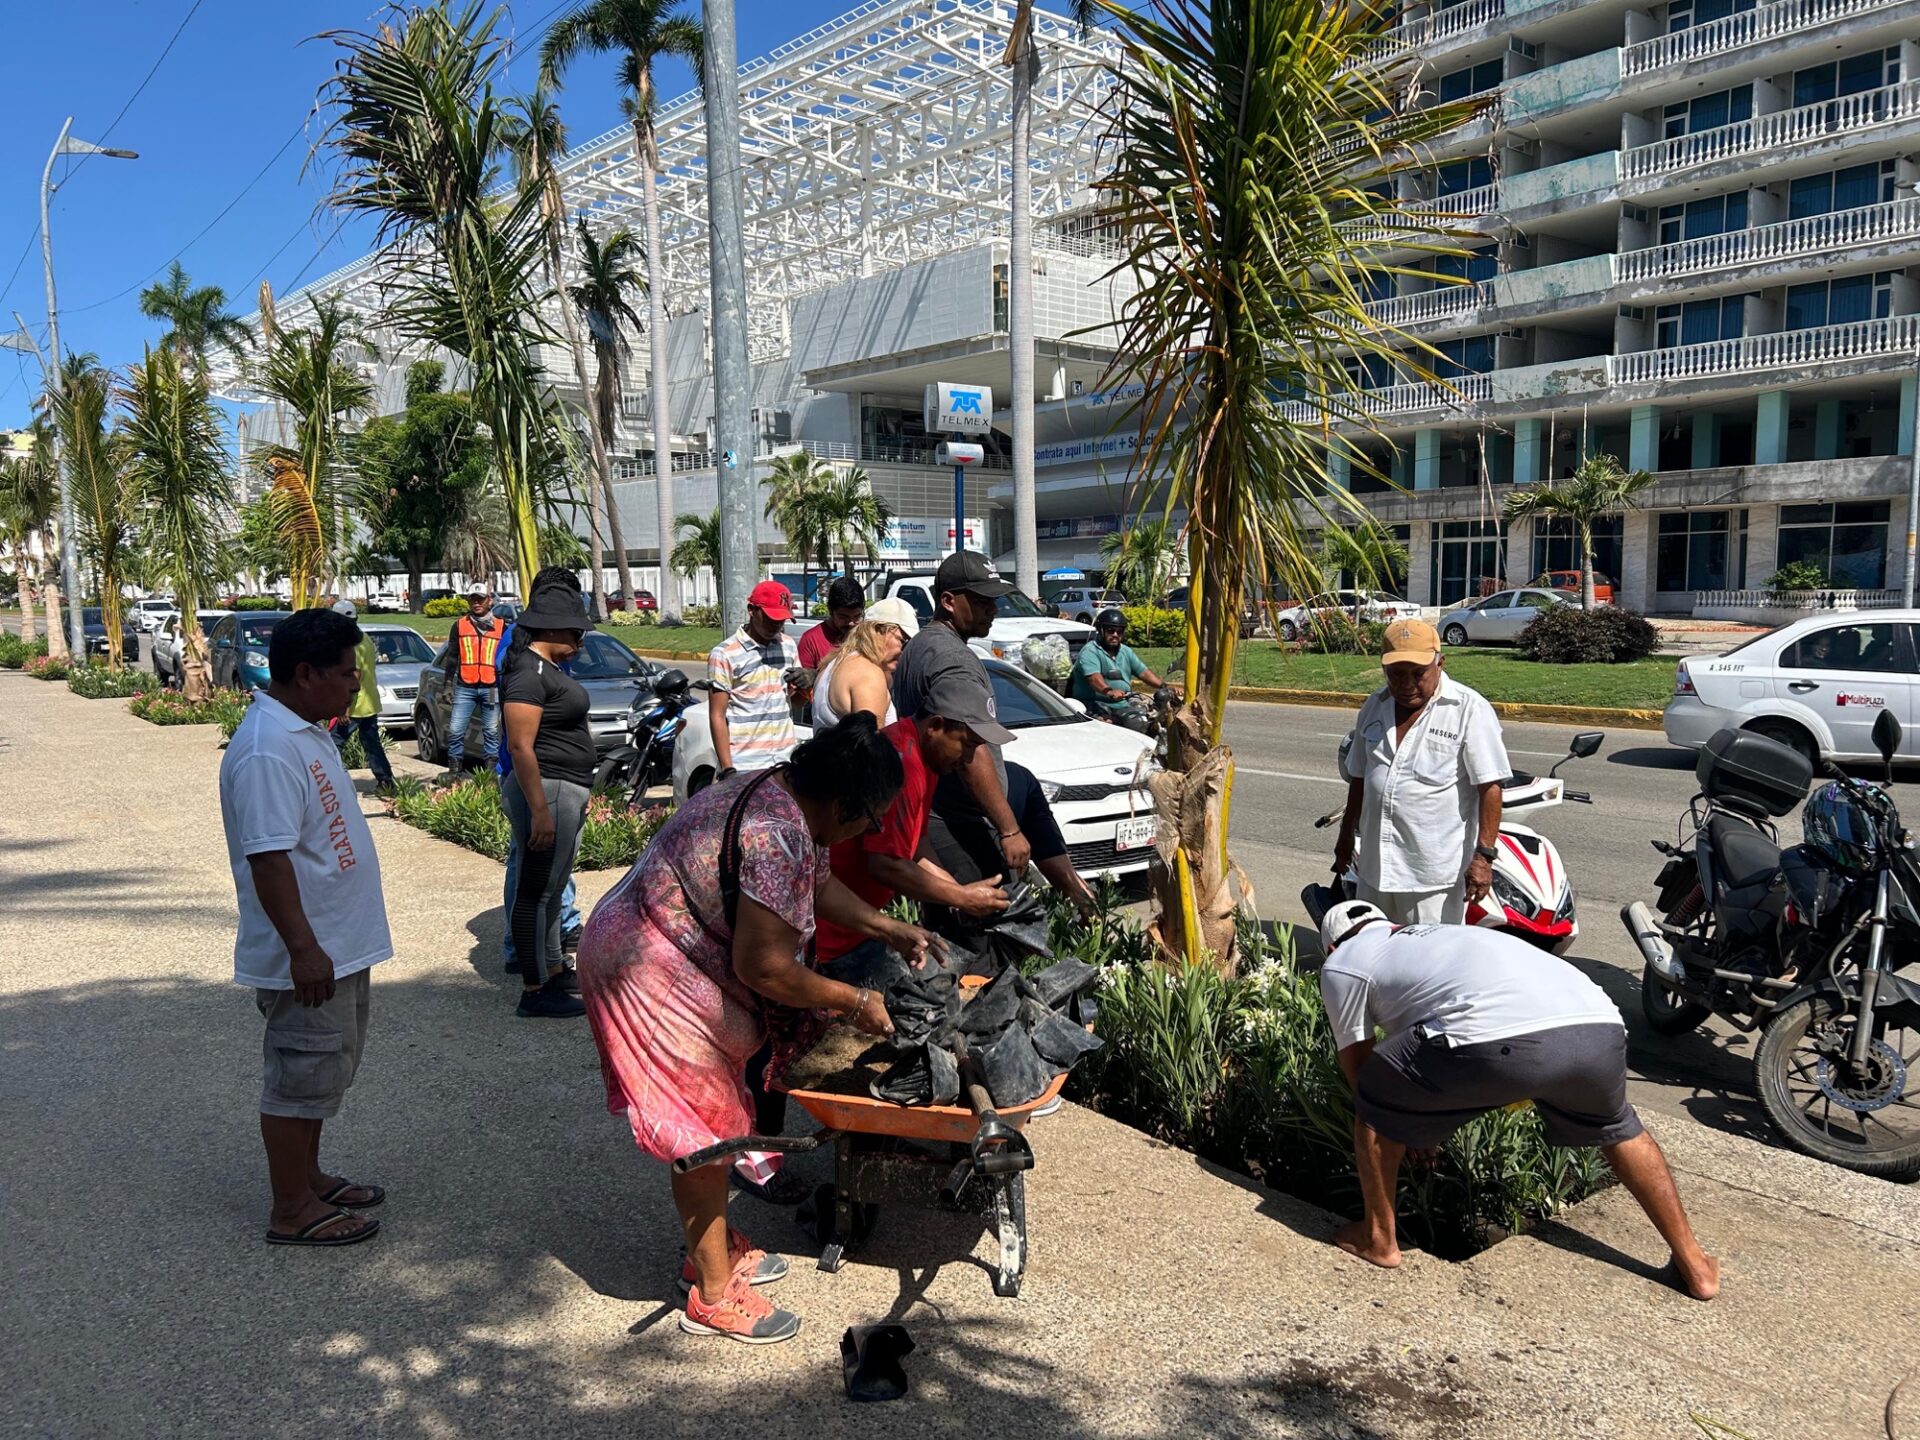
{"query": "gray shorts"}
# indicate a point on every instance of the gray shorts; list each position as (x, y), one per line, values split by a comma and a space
(1419, 1090)
(311, 1054)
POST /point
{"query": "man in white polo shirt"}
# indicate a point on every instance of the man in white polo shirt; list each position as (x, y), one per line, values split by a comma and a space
(1437, 1025)
(1423, 787)
(313, 921)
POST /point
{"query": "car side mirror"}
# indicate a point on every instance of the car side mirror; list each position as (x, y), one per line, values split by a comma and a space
(1588, 741)
(1078, 706)
(1886, 736)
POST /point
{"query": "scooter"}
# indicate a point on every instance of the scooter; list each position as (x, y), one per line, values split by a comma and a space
(653, 722)
(1532, 894)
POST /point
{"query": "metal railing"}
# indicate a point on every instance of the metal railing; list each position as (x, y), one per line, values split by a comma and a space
(1826, 344)
(1437, 213)
(867, 453)
(1799, 126)
(1811, 235)
(1730, 32)
(1421, 31)
(1435, 304)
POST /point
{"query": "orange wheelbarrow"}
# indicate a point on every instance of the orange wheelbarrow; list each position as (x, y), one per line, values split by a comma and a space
(969, 1160)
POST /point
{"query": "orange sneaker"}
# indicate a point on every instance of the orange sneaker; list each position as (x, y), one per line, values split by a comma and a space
(761, 1268)
(741, 1315)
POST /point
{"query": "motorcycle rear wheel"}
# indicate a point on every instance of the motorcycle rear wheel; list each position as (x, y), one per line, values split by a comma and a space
(1815, 1116)
(1666, 1012)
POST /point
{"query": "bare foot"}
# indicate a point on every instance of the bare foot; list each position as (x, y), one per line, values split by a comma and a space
(1701, 1281)
(1357, 1240)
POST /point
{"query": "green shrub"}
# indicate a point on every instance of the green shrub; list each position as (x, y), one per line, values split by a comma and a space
(1798, 575)
(1242, 1070)
(614, 835)
(638, 618)
(1341, 634)
(703, 616)
(15, 652)
(103, 682)
(228, 708)
(470, 814)
(45, 667)
(255, 602)
(1606, 635)
(1152, 625)
(444, 608)
(165, 707)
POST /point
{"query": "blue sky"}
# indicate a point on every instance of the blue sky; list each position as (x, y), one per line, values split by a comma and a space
(237, 87)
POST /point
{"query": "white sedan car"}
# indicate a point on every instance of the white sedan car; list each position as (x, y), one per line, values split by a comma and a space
(1376, 607)
(1817, 685)
(1092, 773)
(1499, 619)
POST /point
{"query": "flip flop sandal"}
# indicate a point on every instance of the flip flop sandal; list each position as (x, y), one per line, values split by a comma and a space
(332, 1197)
(308, 1236)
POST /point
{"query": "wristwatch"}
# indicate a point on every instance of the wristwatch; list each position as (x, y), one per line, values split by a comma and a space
(1487, 853)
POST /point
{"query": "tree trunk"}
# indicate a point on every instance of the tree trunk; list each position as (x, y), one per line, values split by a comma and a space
(1026, 545)
(622, 561)
(56, 619)
(1586, 565)
(28, 632)
(416, 577)
(601, 482)
(659, 402)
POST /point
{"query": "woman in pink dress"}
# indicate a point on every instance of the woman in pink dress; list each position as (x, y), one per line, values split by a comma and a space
(677, 990)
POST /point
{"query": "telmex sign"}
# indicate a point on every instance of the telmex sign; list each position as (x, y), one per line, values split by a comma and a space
(958, 409)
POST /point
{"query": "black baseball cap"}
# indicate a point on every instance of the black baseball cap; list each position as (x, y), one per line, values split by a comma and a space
(955, 695)
(971, 571)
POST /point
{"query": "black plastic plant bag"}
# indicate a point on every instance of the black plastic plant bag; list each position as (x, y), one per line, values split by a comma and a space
(1062, 981)
(1010, 1068)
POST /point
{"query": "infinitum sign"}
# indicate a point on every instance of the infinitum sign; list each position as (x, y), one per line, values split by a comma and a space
(958, 409)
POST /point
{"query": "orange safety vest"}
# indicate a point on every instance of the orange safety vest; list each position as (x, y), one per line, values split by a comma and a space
(477, 649)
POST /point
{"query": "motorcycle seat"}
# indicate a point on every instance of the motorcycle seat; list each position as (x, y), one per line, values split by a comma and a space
(1746, 867)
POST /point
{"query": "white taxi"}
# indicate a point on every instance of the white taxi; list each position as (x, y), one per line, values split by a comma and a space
(1817, 685)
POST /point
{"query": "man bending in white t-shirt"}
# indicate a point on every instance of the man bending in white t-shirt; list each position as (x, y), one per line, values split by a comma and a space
(313, 921)
(1475, 1021)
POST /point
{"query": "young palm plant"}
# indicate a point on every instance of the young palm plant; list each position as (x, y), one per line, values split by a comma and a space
(414, 129)
(1254, 144)
(850, 514)
(101, 504)
(537, 139)
(1599, 487)
(793, 490)
(198, 320)
(27, 505)
(1141, 559)
(700, 547)
(176, 465)
(307, 369)
(640, 32)
(607, 279)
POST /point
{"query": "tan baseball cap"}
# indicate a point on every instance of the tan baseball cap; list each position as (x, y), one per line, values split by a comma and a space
(1411, 642)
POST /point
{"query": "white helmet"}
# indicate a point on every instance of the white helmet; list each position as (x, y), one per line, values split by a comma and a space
(1346, 916)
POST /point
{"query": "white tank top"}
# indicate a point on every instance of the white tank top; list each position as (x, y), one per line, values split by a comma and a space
(824, 717)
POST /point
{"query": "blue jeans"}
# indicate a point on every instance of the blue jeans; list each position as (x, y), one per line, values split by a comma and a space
(465, 698)
(368, 728)
(570, 918)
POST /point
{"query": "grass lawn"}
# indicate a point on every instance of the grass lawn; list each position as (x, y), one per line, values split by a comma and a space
(1496, 674)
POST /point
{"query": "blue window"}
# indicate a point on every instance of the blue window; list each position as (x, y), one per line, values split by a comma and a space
(1848, 189)
(1714, 216)
(1699, 321)
(1471, 356)
(1846, 77)
(1684, 13)
(1709, 112)
(1460, 175)
(1458, 84)
(1839, 302)
(1477, 265)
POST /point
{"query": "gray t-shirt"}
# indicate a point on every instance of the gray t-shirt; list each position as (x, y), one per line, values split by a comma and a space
(934, 651)
(1461, 982)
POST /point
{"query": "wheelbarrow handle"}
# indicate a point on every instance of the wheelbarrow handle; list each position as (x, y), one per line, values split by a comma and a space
(739, 1145)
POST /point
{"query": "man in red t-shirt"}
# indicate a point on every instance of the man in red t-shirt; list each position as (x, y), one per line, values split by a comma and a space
(846, 607)
(886, 861)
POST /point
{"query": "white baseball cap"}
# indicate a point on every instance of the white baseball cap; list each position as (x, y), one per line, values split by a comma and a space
(1345, 917)
(894, 611)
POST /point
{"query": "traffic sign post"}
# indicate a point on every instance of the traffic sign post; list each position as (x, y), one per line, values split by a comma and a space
(958, 410)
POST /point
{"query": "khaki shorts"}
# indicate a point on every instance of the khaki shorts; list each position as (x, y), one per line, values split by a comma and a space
(311, 1053)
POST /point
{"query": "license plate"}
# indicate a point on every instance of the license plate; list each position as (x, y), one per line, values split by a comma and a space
(1135, 834)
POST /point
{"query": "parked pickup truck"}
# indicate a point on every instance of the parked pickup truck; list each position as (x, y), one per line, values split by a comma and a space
(1019, 618)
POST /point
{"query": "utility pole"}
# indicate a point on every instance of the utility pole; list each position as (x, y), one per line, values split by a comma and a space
(1913, 493)
(732, 374)
(69, 551)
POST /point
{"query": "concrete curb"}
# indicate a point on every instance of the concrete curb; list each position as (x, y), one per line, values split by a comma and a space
(1510, 709)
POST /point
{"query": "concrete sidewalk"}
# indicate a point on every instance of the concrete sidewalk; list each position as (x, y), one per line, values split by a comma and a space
(522, 1284)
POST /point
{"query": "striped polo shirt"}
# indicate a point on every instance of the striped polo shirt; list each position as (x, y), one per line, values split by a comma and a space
(758, 722)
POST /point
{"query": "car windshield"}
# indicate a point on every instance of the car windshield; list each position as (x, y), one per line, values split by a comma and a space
(91, 615)
(1023, 701)
(255, 632)
(395, 647)
(602, 657)
(1016, 604)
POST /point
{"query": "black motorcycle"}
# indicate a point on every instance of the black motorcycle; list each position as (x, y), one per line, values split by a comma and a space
(653, 723)
(1800, 944)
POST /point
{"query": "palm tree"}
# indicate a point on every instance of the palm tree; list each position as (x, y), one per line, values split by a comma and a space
(307, 370)
(1140, 559)
(197, 319)
(101, 505)
(478, 538)
(607, 278)
(1366, 549)
(1246, 134)
(701, 547)
(793, 486)
(1601, 485)
(28, 502)
(415, 128)
(537, 139)
(176, 464)
(850, 514)
(641, 32)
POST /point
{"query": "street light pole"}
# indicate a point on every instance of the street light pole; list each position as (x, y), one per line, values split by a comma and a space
(1913, 491)
(69, 551)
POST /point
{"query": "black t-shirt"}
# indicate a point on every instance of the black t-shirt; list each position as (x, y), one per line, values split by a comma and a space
(935, 651)
(564, 744)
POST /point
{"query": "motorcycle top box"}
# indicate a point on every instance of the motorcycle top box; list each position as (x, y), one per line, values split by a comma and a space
(1749, 771)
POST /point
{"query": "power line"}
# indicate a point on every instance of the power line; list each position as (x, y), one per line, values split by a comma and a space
(7, 289)
(154, 69)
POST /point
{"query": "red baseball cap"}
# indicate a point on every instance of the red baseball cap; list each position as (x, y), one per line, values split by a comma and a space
(770, 598)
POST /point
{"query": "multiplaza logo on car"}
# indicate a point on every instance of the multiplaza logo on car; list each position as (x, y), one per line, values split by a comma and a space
(1874, 702)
